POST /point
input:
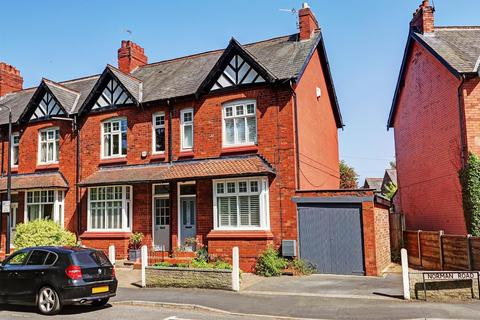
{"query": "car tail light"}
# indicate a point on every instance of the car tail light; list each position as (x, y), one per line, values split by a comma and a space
(113, 272)
(74, 272)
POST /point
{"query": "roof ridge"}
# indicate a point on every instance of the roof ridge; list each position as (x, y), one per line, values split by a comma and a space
(123, 73)
(60, 85)
(79, 79)
(457, 27)
(210, 52)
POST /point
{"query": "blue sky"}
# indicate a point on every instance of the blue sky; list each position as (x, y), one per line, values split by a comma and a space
(365, 40)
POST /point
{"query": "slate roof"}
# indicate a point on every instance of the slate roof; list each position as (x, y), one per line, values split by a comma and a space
(35, 181)
(458, 48)
(180, 170)
(68, 98)
(283, 57)
(373, 183)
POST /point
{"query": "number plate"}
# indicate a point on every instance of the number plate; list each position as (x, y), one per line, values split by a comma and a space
(100, 289)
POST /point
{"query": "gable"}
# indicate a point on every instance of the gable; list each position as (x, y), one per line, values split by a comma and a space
(113, 95)
(237, 72)
(47, 107)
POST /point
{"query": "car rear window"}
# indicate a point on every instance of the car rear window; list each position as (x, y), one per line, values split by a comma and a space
(90, 259)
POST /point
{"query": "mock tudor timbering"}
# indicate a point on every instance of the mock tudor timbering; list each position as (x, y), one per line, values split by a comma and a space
(210, 146)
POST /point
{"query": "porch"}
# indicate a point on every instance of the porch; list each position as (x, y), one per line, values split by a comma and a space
(180, 207)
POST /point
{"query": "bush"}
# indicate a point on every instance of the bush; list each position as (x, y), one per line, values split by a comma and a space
(302, 267)
(222, 265)
(270, 264)
(200, 264)
(470, 180)
(42, 233)
(135, 240)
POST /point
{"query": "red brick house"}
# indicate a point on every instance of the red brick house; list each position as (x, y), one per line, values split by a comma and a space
(435, 116)
(211, 146)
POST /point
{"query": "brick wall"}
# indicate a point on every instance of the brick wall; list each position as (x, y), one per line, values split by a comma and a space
(317, 131)
(427, 145)
(382, 237)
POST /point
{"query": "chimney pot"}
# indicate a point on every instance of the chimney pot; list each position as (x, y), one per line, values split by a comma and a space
(10, 79)
(131, 56)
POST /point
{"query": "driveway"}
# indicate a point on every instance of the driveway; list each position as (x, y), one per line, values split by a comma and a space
(329, 286)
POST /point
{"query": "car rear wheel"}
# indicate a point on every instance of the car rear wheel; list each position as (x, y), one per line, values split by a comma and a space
(100, 303)
(48, 301)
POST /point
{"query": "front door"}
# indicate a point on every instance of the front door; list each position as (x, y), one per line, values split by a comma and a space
(188, 222)
(161, 211)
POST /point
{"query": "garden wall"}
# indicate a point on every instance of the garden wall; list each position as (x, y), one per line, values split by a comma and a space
(188, 278)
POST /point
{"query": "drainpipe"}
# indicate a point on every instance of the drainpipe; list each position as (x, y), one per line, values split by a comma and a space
(297, 151)
(463, 145)
(170, 118)
(77, 177)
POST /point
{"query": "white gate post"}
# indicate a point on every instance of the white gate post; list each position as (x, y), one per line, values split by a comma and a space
(405, 276)
(111, 253)
(236, 269)
(144, 264)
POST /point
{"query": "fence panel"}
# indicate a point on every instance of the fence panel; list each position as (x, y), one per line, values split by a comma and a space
(475, 244)
(430, 242)
(411, 244)
(455, 253)
(396, 232)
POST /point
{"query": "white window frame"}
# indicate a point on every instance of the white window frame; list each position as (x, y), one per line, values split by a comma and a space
(58, 205)
(126, 213)
(55, 141)
(264, 203)
(183, 124)
(102, 138)
(154, 131)
(13, 146)
(234, 116)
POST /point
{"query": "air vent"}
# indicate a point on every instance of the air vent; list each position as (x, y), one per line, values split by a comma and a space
(289, 248)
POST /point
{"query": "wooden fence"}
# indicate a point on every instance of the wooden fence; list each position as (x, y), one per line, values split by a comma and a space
(396, 234)
(431, 250)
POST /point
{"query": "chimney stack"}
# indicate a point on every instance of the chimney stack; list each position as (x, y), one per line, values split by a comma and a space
(10, 79)
(307, 22)
(131, 56)
(423, 18)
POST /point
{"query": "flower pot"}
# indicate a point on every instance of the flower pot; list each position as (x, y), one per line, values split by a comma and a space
(134, 254)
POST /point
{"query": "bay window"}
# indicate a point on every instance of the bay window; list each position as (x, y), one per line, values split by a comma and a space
(15, 148)
(44, 205)
(49, 145)
(186, 129)
(109, 208)
(241, 204)
(159, 132)
(114, 138)
(240, 123)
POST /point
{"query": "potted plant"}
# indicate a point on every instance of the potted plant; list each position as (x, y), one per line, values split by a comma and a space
(190, 244)
(135, 243)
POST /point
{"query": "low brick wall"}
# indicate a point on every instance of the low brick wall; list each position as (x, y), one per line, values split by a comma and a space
(188, 278)
(442, 290)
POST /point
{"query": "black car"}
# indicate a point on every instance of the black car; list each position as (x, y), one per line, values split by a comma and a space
(51, 277)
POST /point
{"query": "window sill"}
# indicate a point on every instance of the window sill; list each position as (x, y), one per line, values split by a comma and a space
(240, 149)
(108, 161)
(106, 234)
(240, 234)
(46, 166)
(157, 156)
(186, 154)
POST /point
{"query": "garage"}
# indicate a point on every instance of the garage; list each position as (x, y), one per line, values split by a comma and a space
(330, 236)
(344, 232)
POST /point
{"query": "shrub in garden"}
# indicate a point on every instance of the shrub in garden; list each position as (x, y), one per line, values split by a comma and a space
(270, 263)
(301, 267)
(42, 233)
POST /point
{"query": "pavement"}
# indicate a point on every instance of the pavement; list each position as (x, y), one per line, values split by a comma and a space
(119, 312)
(298, 306)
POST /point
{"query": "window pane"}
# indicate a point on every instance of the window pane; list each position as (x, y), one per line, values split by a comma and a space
(115, 144)
(255, 211)
(244, 211)
(228, 111)
(47, 211)
(187, 189)
(240, 128)
(124, 142)
(229, 131)
(242, 186)
(106, 145)
(160, 139)
(253, 186)
(187, 117)
(187, 136)
(37, 258)
(43, 152)
(250, 108)
(227, 211)
(33, 212)
(162, 189)
(231, 187)
(220, 188)
(50, 151)
(252, 129)
(239, 110)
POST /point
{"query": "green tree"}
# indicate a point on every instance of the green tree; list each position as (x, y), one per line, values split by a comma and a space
(391, 190)
(348, 176)
(470, 180)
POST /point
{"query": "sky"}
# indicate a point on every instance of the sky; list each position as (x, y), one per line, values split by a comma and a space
(365, 40)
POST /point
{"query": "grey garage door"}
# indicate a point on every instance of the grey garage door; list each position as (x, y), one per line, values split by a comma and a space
(330, 236)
